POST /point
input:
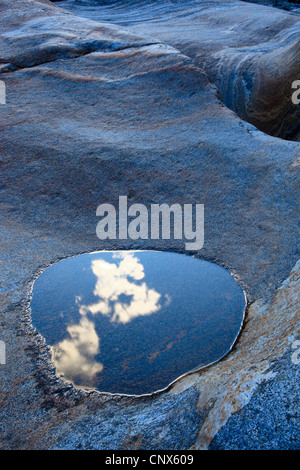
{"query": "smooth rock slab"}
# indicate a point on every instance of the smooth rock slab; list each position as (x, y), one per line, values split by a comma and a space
(94, 112)
(133, 322)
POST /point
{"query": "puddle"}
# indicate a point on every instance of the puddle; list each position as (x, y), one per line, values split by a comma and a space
(132, 322)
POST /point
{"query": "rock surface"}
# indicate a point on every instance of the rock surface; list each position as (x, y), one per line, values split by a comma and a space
(251, 53)
(131, 102)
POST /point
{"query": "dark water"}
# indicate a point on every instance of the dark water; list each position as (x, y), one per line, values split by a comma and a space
(133, 322)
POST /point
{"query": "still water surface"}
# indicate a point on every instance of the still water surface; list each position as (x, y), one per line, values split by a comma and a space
(132, 322)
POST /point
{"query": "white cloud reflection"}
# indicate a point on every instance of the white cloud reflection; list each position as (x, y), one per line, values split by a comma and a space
(116, 281)
(74, 357)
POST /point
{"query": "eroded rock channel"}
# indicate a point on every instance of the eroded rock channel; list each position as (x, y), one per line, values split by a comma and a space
(252, 64)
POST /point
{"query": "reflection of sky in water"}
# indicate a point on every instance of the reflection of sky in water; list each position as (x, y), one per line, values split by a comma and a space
(116, 281)
(132, 322)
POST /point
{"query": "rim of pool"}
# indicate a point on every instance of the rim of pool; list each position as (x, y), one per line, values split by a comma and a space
(97, 390)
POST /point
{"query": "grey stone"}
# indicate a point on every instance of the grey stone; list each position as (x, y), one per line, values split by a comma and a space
(132, 103)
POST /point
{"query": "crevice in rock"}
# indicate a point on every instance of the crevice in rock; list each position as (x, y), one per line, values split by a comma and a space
(254, 80)
(15, 65)
(288, 5)
(257, 86)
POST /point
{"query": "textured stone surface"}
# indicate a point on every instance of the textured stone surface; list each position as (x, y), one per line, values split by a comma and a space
(251, 53)
(133, 108)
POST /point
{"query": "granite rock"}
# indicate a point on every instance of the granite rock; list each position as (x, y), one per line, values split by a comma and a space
(147, 99)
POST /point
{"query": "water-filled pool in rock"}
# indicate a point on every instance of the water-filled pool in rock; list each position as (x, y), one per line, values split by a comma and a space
(132, 322)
